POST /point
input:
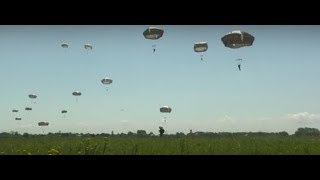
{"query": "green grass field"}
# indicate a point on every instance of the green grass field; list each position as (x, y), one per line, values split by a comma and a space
(160, 146)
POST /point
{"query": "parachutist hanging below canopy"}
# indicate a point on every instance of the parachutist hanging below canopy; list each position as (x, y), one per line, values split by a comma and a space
(200, 47)
(33, 97)
(153, 33)
(239, 63)
(77, 93)
(165, 109)
(106, 81)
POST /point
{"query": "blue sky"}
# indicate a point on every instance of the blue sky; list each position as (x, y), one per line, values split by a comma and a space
(277, 89)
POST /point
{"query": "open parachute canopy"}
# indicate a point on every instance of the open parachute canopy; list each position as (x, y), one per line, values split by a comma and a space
(237, 39)
(153, 33)
(43, 123)
(165, 109)
(28, 108)
(64, 111)
(106, 80)
(64, 45)
(18, 119)
(200, 47)
(15, 110)
(76, 93)
(88, 46)
(33, 96)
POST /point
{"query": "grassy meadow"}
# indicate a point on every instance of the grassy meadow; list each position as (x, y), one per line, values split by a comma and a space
(288, 145)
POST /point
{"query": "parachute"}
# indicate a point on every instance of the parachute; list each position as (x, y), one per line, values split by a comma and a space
(88, 46)
(76, 93)
(106, 81)
(64, 45)
(43, 124)
(18, 119)
(32, 97)
(237, 39)
(153, 33)
(200, 47)
(64, 113)
(14, 111)
(28, 108)
(165, 109)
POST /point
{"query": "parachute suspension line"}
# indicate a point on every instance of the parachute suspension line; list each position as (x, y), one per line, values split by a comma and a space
(32, 101)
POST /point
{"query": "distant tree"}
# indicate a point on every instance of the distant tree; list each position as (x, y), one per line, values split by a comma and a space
(104, 134)
(283, 133)
(26, 135)
(141, 133)
(307, 132)
(151, 134)
(190, 133)
(4, 134)
(199, 133)
(64, 134)
(179, 134)
(161, 131)
(14, 133)
(131, 133)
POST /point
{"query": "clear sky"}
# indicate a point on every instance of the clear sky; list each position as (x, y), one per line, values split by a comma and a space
(278, 88)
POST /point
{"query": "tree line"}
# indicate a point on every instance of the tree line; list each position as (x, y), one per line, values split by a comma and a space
(142, 133)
